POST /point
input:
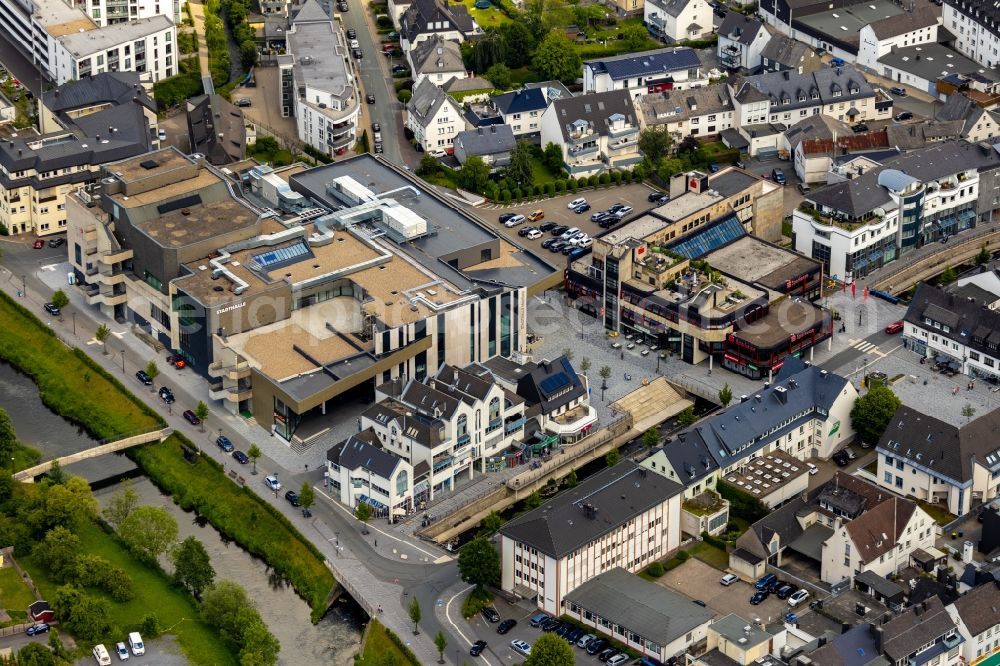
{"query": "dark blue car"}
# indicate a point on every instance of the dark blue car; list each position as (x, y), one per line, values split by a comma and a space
(223, 443)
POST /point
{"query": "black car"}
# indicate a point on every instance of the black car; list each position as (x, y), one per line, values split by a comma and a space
(506, 216)
(786, 590)
(376, 127)
(191, 417)
(548, 226)
(370, 98)
(551, 624)
(575, 635)
(292, 497)
(491, 614)
(655, 196)
(903, 115)
(223, 443)
(775, 585)
(758, 597)
(57, 242)
(597, 645)
(378, 147)
(898, 91)
(558, 230)
(860, 127)
(524, 231)
(52, 310)
(241, 457)
(357, 54)
(477, 648)
(40, 628)
(558, 246)
(564, 629)
(506, 625)
(166, 395)
(398, 69)
(144, 378)
(607, 654)
(841, 459)
(352, 33)
(547, 243)
(582, 208)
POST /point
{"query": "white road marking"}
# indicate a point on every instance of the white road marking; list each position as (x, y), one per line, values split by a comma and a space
(447, 615)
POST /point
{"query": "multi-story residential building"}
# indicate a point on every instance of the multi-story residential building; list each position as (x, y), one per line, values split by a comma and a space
(978, 623)
(558, 399)
(621, 517)
(925, 634)
(425, 19)
(434, 117)
(741, 39)
(916, 66)
(859, 225)
(702, 112)
(492, 144)
(843, 528)
(974, 23)
(786, 54)
(84, 124)
(359, 469)
(678, 20)
(437, 59)
(669, 624)
(978, 123)
(216, 129)
(597, 132)
(937, 462)
(283, 305)
(67, 44)
(316, 82)
(911, 29)
(647, 72)
(522, 109)
(107, 12)
(787, 97)
(816, 141)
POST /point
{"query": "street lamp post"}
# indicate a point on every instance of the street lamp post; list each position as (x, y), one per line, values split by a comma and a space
(24, 288)
(73, 314)
(123, 361)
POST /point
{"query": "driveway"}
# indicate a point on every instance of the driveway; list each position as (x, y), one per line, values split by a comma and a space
(162, 652)
(696, 580)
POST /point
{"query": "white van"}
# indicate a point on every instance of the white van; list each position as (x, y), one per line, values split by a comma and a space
(135, 642)
(576, 202)
(102, 656)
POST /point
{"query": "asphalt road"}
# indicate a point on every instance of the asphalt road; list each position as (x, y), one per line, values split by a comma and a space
(17, 641)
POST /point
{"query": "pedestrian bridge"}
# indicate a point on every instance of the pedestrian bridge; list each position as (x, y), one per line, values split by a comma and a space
(29, 475)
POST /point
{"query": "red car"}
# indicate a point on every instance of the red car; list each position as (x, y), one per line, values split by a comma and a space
(39, 244)
(894, 327)
(176, 360)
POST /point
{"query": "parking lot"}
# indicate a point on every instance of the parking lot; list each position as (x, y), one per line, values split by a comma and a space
(163, 651)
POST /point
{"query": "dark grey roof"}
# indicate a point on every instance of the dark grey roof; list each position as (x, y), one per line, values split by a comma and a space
(436, 55)
(740, 28)
(520, 101)
(423, 16)
(593, 108)
(902, 636)
(490, 140)
(647, 63)
(880, 584)
(427, 99)
(462, 382)
(784, 50)
(792, 90)
(599, 505)
(671, 7)
(419, 427)
(208, 117)
(690, 459)
(671, 106)
(975, 326)
(817, 126)
(893, 26)
(364, 451)
(551, 384)
(640, 606)
(731, 181)
(311, 10)
(959, 107)
(117, 88)
(979, 608)
(506, 369)
(855, 647)
(797, 388)
(930, 65)
(810, 542)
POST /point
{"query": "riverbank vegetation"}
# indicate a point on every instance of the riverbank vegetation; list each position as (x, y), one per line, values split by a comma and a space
(384, 648)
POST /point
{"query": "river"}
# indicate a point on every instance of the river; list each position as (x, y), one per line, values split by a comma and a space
(332, 641)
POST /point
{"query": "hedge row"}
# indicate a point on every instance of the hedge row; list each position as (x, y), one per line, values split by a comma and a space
(741, 504)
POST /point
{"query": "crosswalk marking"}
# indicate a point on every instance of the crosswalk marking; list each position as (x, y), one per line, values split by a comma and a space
(865, 346)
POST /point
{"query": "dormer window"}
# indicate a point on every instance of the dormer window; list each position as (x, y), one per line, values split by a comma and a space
(836, 93)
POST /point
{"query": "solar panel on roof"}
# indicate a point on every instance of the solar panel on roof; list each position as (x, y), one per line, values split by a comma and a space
(149, 164)
(555, 382)
(177, 204)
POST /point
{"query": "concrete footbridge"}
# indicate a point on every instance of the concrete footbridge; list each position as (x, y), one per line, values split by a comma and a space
(29, 475)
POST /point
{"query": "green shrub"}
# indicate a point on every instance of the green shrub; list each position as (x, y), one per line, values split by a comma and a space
(516, 194)
(475, 601)
(626, 177)
(560, 186)
(713, 540)
(655, 570)
(404, 96)
(573, 185)
(741, 504)
(683, 556)
(593, 180)
(605, 179)
(550, 188)
(174, 90)
(505, 196)
(617, 177)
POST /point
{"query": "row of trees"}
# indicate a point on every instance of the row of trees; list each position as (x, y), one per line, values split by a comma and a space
(236, 12)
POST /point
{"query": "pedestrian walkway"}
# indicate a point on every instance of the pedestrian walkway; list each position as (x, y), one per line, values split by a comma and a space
(198, 15)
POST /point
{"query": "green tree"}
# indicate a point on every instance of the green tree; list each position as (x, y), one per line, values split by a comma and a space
(612, 457)
(518, 43)
(260, 646)
(872, 411)
(552, 158)
(192, 566)
(479, 563)
(153, 371)
(655, 142)
(568, 353)
(571, 480)
(201, 411)
(102, 334)
(668, 168)
(248, 55)
(307, 497)
(556, 58)
(85, 616)
(491, 524)
(440, 642)
(532, 501)
(550, 650)
(635, 36)
(725, 395)
(429, 165)
(474, 174)
(981, 259)
(253, 453)
(227, 607)
(687, 417)
(968, 411)
(585, 365)
(499, 75)
(605, 373)
(8, 438)
(67, 504)
(59, 551)
(60, 299)
(122, 503)
(948, 275)
(488, 50)
(149, 531)
(519, 171)
(415, 615)
(651, 437)
(363, 512)
(35, 654)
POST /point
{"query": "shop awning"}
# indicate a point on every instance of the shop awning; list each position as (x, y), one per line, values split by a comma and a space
(373, 502)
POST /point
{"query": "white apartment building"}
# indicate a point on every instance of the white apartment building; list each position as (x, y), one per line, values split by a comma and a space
(317, 83)
(910, 29)
(359, 469)
(108, 12)
(445, 427)
(978, 623)
(68, 44)
(741, 40)
(976, 27)
(650, 71)
(434, 117)
(597, 132)
(700, 112)
(678, 20)
(621, 517)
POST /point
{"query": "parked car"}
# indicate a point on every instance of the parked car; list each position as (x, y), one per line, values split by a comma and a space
(621, 211)
(903, 115)
(558, 230)
(191, 417)
(272, 483)
(241, 457)
(548, 242)
(803, 188)
(798, 597)
(894, 327)
(533, 234)
(576, 202)
(778, 176)
(534, 216)
(52, 309)
(506, 625)
(176, 360)
(597, 646)
(813, 470)
(357, 54)
(765, 580)
(506, 216)
(352, 33)
(586, 640)
(161, 135)
(293, 498)
(524, 231)
(786, 590)
(57, 242)
(521, 646)
(558, 245)
(370, 98)
(35, 629)
(38, 244)
(607, 654)
(569, 233)
(655, 196)
(729, 579)
(547, 227)
(101, 655)
(713, 168)
(618, 659)
(223, 443)
(550, 624)
(166, 395)
(244, 101)
(775, 585)
(758, 597)
(899, 91)
(490, 614)
(514, 221)
(135, 642)
(145, 379)
(378, 147)
(860, 127)
(121, 651)
(376, 127)
(538, 619)
(582, 208)
(579, 252)
(477, 648)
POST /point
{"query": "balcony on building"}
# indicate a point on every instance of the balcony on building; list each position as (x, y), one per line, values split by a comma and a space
(514, 424)
(116, 257)
(623, 131)
(234, 372)
(586, 149)
(442, 462)
(573, 422)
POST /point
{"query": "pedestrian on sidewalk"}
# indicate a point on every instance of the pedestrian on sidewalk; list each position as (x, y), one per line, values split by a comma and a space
(376, 543)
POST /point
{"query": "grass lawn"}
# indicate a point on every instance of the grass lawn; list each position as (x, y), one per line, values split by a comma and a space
(69, 383)
(710, 555)
(940, 515)
(241, 515)
(153, 592)
(25, 456)
(486, 18)
(377, 644)
(539, 173)
(15, 597)
(523, 75)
